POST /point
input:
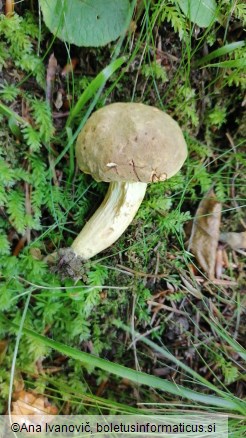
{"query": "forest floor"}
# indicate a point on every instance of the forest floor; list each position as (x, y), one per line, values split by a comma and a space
(168, 298)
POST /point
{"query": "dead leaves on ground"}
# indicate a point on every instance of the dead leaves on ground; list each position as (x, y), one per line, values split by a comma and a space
(28, 403)
(31, 408)
(234, 240)
(205, 237)
(205, 233)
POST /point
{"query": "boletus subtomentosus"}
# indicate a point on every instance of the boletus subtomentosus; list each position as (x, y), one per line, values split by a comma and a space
(128, 145)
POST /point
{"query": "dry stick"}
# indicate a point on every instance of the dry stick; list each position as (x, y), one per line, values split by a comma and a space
(140, 274)
(163, 306)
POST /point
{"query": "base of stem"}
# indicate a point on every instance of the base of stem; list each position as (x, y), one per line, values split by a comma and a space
(68, 264)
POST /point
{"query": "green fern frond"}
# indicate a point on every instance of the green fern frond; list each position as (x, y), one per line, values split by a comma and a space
(43, 120)
(32, 64)
(4, 243)
(6, 174)
(96, 277)
(3, 196)
(155, 70)
(5, 297)
(175, 220)
(240, 12)
(32, 138)
(173, 16)
(30, 26)
(11, 30)
(202, 178)
(10, 269)
(220, 191)
(34, 269)
(22, 175)
(16, 210)
(8, 92)
(187, 98)
(200, 149)
(3, 55)
(40, 185)
(79, 327)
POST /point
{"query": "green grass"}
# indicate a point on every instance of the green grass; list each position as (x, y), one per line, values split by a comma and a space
(101, 328)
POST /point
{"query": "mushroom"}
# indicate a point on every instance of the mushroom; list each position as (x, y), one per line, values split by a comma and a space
(128, 145)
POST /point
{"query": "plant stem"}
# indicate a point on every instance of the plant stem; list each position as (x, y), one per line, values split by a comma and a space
(116, 212)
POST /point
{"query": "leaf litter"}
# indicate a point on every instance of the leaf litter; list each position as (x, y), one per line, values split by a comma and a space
(205, 233)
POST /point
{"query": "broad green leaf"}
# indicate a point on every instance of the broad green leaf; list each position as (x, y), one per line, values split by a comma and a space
(86, 22)
(200, 12)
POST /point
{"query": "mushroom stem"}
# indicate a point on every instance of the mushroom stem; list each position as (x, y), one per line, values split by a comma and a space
(116, 212)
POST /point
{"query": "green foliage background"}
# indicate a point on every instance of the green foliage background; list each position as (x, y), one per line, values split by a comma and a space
(80, 314)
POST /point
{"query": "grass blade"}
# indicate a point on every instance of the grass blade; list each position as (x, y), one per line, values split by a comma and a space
(233, 63)
(136, 376)
(222, 51)
(224, 335)
(94, 86)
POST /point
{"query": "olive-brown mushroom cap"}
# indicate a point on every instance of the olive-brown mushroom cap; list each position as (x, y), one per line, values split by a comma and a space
(130, 142)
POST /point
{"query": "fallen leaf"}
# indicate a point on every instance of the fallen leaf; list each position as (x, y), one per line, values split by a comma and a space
(205, 233)
(70, 67)
(30, 403)
(32, 409)
(234, 240)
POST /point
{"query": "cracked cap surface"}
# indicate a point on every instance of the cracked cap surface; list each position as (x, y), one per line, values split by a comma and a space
(130, 142)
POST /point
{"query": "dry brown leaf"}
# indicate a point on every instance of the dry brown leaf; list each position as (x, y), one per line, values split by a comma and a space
(70, 67)
(205, 233)
(31, 408)
(234, 240)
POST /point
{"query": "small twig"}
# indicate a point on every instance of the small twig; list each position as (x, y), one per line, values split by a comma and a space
(20, 245)
(216, 281)
(141, 274)
(60, 115)
(163, 306)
